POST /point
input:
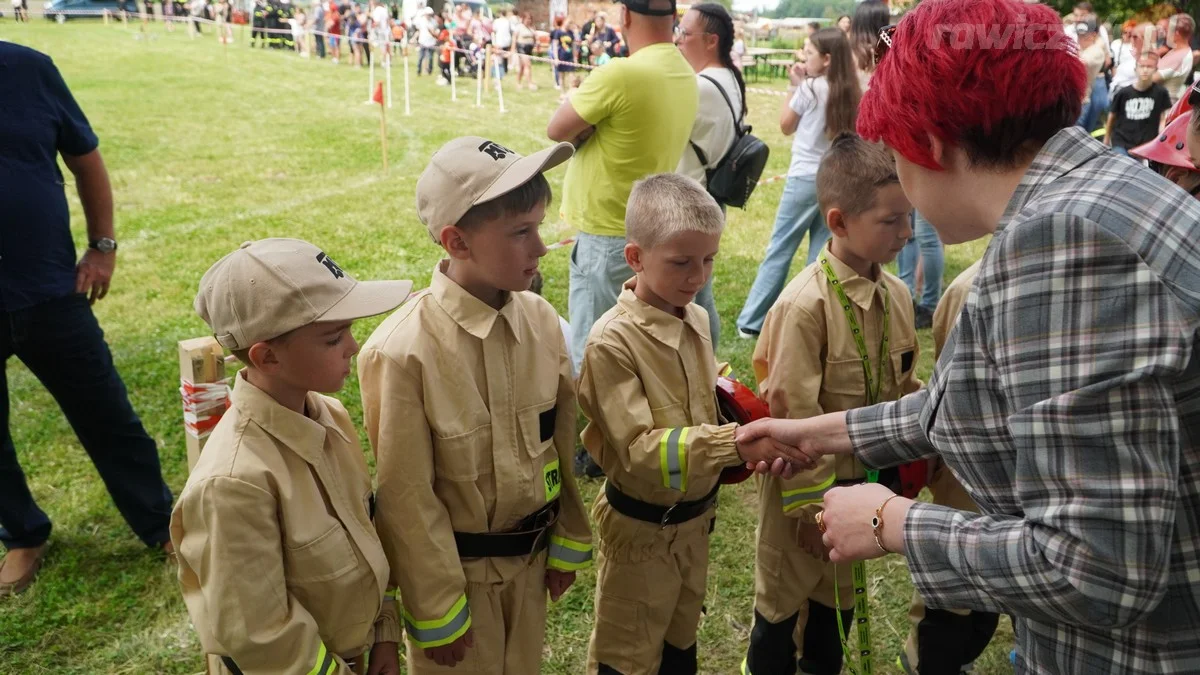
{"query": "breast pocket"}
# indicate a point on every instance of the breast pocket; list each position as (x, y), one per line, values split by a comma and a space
(326, 557)
(904, 363)
(538, 426)
(844, 378)
(465, 456)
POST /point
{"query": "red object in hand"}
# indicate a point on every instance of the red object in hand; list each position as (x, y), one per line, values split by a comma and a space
(737, 403)
(378, 96)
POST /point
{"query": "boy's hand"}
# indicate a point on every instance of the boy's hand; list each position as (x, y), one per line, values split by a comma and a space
(385, 659)
(811, 541)
(767, 449)
(558, 582)
(452, 654)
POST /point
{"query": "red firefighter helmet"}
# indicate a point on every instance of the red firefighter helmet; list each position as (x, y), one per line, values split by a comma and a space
(737, 403)
(1170, 146)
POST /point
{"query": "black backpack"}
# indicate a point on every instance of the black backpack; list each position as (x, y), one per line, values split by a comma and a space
(733, 180)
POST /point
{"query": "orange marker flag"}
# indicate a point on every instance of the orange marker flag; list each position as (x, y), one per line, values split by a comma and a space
(378, 98)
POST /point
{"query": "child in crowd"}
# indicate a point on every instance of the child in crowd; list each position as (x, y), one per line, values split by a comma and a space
(1138, 111)
(281, 569)
(647, 386)
(840, 336)
(469, 404)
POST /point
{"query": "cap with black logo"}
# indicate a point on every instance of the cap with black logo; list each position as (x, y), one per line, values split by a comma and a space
(273, 286)
(471, 170)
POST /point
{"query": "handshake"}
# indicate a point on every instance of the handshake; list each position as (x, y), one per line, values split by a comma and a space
(782, 447)
(764, 453)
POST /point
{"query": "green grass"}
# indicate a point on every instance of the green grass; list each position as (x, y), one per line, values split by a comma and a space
(211, 146)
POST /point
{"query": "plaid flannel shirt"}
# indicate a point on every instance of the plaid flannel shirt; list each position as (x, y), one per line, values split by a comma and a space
(1067, 402)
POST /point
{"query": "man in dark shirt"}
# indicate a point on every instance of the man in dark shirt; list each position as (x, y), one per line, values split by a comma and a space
(1137, 111)
(45, 314)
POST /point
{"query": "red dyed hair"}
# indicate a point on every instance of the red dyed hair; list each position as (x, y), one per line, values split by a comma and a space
(989, 76)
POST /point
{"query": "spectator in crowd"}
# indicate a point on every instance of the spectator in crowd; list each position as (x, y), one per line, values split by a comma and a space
(1067, 400)
(630, 119)
(502, 41)
(601, 32)
(317, 23)
(705, 38)
(333, 26)
(1139, 110)
(821, 102)
(1176, 65)
(1093, 54)
(525, 40)
(18, 14)
(1125, 53)
(869, 18)
(45, 316)
(427, 40)
(844, 24)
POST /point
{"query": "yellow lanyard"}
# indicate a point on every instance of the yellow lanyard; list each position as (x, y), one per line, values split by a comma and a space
(874, 384)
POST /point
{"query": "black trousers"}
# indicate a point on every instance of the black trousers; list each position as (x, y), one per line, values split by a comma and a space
(60, 341)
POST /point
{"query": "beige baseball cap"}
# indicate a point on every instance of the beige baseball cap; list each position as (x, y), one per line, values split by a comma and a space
(471, 170)
(272, 286)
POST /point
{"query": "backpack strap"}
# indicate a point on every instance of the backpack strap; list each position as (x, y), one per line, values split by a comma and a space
(737, 122)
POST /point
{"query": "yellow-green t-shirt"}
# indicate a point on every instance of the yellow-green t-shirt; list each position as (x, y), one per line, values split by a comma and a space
(643, 108)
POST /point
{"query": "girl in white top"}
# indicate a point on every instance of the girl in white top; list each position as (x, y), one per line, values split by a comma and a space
(822, 102)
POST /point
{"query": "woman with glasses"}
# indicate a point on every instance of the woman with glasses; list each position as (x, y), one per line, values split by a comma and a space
(1067, 399)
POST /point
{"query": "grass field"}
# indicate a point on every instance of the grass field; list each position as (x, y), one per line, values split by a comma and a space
(210, 146)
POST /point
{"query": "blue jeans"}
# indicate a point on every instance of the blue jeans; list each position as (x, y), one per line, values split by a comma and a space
(1120, 151)
(1090, 117)
(62, 344)
(926, 247)
(597, 272)
(797, 216)
(421, 56)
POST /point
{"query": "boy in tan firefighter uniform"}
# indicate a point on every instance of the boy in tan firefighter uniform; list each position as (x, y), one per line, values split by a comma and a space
(470, 407)
(840, 336)
(647, 386)
(946, 641)
(281, 569)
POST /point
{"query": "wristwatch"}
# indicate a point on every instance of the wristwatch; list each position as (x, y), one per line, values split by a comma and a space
(103, 244)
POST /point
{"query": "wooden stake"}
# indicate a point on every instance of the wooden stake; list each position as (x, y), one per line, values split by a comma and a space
(407, 109)
(383, 134)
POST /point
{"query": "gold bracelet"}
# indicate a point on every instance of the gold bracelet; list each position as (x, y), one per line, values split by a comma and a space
(877, 524)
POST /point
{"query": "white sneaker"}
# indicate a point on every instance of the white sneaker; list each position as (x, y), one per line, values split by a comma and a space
(747, 336)
(442, 82)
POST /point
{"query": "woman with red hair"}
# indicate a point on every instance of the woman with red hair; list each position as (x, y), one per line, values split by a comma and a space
(1067, 400)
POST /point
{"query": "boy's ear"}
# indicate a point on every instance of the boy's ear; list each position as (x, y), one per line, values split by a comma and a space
(262, 356)
(836, 220)
(633, 257)
(454, 240)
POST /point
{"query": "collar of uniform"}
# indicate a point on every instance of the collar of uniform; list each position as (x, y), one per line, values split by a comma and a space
(471, 313)
(302, 434)
(664, 327)
(1065, 151)
(860, 290)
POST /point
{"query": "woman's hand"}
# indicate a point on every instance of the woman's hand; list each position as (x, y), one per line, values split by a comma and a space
(813, 437)
(847, 519)
(797, 74)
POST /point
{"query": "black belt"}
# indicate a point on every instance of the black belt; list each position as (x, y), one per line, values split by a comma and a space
(680, 512)
(530, 536)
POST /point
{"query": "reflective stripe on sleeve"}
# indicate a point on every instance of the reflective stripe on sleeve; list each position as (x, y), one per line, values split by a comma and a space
(438, 632)
(673, 457)
(794, 499)
(568, 556)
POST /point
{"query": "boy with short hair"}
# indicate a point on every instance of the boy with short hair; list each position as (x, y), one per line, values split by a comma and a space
(281, 569)
(1137, 111)
(469, 404)
(840, 336)
(647, 386)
